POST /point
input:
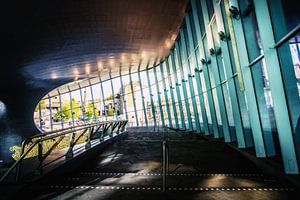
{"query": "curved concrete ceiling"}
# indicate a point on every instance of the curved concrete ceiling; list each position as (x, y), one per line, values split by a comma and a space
(66, 40)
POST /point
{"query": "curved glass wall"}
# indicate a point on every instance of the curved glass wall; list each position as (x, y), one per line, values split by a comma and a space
(226, 76)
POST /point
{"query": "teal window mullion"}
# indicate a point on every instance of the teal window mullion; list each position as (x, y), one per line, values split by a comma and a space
(197, 75)
(178, 90)
(166, 95)
(159, 98)
(71, 106)
(205, 70)
(50, 110)
(177, 49)
(122, 96)
(60, 106)
(113, 93)
(172, 93)
(133, 100)
(151, 97)
(215, 69)
(231, 83)
(282, 117)
(93, 102)
(239, 37)
(190, 78)
(143, 98)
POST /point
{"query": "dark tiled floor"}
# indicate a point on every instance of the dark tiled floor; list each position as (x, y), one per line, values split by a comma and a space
(131, 169)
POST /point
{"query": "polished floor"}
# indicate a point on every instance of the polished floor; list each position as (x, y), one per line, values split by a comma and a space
(132, 169)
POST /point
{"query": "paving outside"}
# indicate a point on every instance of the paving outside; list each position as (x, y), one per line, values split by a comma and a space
(131, 168)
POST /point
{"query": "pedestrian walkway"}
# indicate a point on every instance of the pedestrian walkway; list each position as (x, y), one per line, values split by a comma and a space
(131, 168)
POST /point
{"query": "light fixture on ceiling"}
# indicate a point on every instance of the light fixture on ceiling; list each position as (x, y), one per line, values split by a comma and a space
(111, 62)
(123, 57)
(143, 54)
(75, 71)
(99, 64)
(87, 69)
(173, 37)
(133, 56)
(53, 75)
(168, 43)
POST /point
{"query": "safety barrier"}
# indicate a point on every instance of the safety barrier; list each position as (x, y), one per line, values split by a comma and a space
(100, 131)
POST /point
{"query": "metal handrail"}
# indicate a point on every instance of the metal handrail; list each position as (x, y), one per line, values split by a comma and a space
(119, 124)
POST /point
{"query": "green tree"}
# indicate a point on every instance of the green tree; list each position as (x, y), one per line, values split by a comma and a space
(90, 112)
(67, 113)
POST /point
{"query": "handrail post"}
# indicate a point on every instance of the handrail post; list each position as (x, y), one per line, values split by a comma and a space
(165, 164)
(69, 153)
(40, 158)
(88, 142)
(18, 169)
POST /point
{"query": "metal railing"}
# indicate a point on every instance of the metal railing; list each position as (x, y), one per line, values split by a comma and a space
(92, 131)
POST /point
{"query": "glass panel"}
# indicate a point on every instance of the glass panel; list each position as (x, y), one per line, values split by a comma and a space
(252, 35)
(265, 105)
(129, 100)
(138, 99)
(289, 55)
(285, 16)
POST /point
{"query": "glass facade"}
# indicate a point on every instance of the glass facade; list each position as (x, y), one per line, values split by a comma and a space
(231, 75)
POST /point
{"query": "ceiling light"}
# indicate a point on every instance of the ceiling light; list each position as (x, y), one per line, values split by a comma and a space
(111, 62)
(168, 44)
(99, 65)
(75, 71)
(54, 75)
(87, 69)
(143, 54)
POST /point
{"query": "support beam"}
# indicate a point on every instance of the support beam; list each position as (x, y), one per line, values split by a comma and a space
(143, 98)
(238, 37)
(193, 64)
(133, 99)
(151, 98)
(205, 63)
(173, 65)
(282, 118)
(171, 88)
(187, 64)
(184, 86)
(216, 73)
(159, 98)
(231, 83)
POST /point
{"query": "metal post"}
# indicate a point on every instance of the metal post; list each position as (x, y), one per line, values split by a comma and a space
(113, 93)
(60, 107)
(103, 98)
(71, 106)
(93, 102)
(40, 116)
(82, 103)
(50, 109)
(165, 164)
(123, 96)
